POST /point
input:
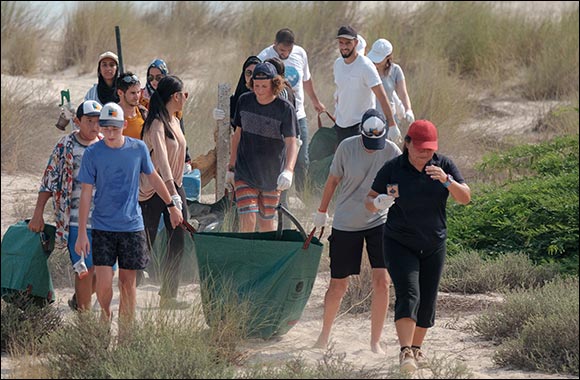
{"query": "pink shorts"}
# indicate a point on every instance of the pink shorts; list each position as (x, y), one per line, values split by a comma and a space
(249, 199)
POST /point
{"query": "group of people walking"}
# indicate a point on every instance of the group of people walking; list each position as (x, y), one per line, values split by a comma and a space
(111, 188)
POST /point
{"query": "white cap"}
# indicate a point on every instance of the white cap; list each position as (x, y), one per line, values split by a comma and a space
(109, 54)
(380, 50)
(362, 45)
(112, 116)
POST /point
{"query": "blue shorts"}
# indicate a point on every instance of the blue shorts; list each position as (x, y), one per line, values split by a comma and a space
(73, 234)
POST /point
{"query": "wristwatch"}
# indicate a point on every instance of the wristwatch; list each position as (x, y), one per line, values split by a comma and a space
(448, 182)
(170, 204)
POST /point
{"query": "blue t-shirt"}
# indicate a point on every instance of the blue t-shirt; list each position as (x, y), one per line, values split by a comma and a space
(262, 151)
(114, 172)
(417, 219)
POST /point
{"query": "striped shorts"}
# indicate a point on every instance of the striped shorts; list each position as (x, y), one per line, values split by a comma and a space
(249, 199)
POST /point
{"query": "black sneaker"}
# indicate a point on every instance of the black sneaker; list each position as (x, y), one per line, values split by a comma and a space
(72, 303)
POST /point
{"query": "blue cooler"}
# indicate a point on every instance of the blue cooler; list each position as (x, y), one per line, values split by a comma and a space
(192, 184)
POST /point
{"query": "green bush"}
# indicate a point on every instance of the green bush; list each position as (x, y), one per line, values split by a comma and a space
(469, 272)
(533, 209)
(537, 328)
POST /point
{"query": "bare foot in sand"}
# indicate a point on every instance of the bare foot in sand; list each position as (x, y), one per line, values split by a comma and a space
(377, 349)
(322, 342)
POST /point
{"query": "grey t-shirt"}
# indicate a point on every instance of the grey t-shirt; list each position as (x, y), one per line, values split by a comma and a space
(358, 167)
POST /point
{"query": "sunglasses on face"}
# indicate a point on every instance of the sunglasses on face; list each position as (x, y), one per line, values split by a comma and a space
(130, 79)
(157, 77)
(249, 73)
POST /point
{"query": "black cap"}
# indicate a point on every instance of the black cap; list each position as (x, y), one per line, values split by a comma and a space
(347, 31)
(285, 36)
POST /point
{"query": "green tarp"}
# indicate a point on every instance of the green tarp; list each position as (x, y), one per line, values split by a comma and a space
(24, 263)
(271, 278)
(321, 152)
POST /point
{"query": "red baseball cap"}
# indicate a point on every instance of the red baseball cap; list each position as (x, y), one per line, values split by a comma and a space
(423, 134)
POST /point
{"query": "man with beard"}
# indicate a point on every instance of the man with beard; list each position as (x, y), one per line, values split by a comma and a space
(129, 92)
(358, 85)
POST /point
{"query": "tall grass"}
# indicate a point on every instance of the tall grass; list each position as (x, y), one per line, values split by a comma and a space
(26, 126)
(23, 36)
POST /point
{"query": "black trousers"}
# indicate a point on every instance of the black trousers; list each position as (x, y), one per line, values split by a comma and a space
(416, 275)
(152, 210)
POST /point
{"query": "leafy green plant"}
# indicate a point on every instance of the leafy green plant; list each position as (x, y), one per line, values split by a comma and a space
(532, 209)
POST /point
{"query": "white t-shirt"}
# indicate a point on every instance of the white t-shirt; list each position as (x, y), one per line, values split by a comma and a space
(390, 84)
(353, 89)
(297, 71)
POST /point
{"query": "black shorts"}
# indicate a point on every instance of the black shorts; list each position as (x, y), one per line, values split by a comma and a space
(346, 250)
(129, 248)
(344, 133)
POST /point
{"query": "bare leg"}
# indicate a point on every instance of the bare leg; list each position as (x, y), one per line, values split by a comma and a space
(128, 298)
(379, 306)
(405, 331)
(248, 222)
(332, 299)
(265, 225)
(419, 336)
(84, 290)
(104, 290)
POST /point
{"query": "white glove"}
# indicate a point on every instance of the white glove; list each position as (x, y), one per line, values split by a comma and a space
(177, 201)
(230, 181)
(319, 219)
(218, 114)
(383, 201)
(187, 168)
(285, 180)
(394, 134)
(409, 116)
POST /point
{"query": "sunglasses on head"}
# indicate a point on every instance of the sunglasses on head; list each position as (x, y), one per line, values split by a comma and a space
(130, 79)
(157, 77)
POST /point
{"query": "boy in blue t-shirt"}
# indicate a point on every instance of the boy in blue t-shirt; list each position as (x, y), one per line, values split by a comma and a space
(113, 166)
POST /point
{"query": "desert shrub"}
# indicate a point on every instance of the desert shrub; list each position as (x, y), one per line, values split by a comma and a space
(89, 30)
(469, 272)
(161, 344)
(27, 136)
(537, 328)
(23, 36)
(25, 327)
(553, 70)
(533, 209)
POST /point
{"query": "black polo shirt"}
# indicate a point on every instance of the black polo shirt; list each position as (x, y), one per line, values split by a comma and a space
(418, 218)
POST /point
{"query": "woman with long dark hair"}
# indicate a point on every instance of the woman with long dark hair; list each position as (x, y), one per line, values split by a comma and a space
(166, 142)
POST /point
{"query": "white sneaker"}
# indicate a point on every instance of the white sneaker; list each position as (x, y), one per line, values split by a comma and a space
(407, 361)
(420, 357)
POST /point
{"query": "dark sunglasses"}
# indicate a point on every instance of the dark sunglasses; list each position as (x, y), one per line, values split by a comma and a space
(157, 77)
(130, 79)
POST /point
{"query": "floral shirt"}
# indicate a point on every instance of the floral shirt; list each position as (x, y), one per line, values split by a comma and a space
(58, 179)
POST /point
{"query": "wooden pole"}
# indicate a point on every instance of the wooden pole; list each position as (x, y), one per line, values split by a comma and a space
(222, 140)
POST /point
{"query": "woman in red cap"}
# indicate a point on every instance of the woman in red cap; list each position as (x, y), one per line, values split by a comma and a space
(415, 187)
